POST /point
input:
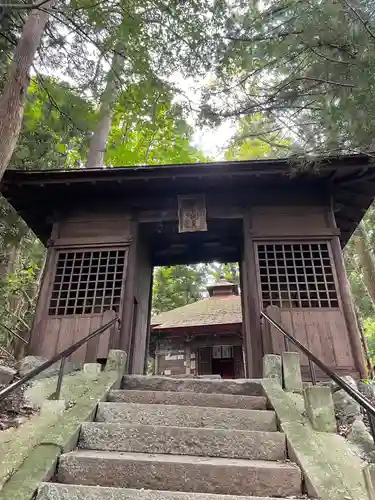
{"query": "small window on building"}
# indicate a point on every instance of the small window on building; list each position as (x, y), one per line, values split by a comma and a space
(222, 352)
(88, 282)
(297, 275)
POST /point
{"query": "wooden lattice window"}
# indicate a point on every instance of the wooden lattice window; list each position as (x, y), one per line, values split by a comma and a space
(296, 275)
(87, 282)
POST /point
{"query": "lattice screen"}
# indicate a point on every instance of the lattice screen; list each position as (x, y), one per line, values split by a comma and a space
(296, 275)
(87, 282)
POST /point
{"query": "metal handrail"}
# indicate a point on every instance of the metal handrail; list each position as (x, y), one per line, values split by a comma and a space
(58, 357)
(354, 393)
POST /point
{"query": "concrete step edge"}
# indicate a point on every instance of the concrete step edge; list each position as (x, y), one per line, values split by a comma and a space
(250, 387)
(198, 441)
(187, 415)
(184, 459)
(57, 491)
(180, 473)
(213, 400)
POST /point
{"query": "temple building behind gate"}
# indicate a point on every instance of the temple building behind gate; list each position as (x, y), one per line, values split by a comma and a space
(202, 338)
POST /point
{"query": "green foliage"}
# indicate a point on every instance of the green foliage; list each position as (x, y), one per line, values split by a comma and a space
(295, 77)
(19, 286)
(55, 128)
(176, 286)
(147, 128)
(229, 271)
(369, 329)
(257, 137)
(310, 67)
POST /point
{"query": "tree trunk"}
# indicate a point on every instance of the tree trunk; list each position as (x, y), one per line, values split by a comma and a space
(366, 260)
(98, 143)
(8, 260)
(12, 101)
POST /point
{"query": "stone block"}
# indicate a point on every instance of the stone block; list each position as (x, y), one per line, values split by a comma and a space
(30, 453)
(7, 374)
(16, 444)
(292, 372)
(54, 491)
(319, 408)
(238, 386)
(202, 442)
(347, 378)
(39, 466)
(116, 360)
(181, 416)
(176, 473)
(92, 368)
(189, 399)
(369, 475)
(360, 436)
(272, 367)
(345, 407)
(331, 469)
(51, 406)
(367, 389)
(29, 363)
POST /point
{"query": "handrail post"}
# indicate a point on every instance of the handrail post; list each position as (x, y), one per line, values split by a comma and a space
(55, 359)
(59, 379)
(354, 393)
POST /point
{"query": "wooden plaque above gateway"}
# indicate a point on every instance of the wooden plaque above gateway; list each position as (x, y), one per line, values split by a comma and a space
(192, 213)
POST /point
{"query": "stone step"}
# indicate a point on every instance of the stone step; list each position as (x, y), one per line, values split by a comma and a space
(186, 416)
(180, 473)
(55, 491)
(190, 399)
(245, 387)
(252, 445)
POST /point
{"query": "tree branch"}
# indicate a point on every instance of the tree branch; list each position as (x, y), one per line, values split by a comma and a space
(13, 333)
(23, 6)
(330, 59)
(262, 38)
(318, 80)
(360, 18)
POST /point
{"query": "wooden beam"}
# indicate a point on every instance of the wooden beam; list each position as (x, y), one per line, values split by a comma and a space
(369, 176)
(347, 305)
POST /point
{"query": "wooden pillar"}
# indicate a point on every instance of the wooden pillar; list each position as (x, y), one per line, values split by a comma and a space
(128, 304)
(147, 349)
(253, 334)
(187, 359)
(245, 318)
(347, 302)
(156, 364)
(41, 310)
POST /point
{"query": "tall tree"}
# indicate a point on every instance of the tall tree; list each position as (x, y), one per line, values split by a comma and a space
(308, 65)
(55, 134)
(13, 98)
(98, 143)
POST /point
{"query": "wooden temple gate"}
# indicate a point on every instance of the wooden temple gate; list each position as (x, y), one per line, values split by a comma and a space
(105, 230)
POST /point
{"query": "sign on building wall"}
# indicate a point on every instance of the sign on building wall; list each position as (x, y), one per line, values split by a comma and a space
(192, 215)
(222, 352)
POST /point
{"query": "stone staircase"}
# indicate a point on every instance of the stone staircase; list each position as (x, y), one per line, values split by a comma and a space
(178, 439)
